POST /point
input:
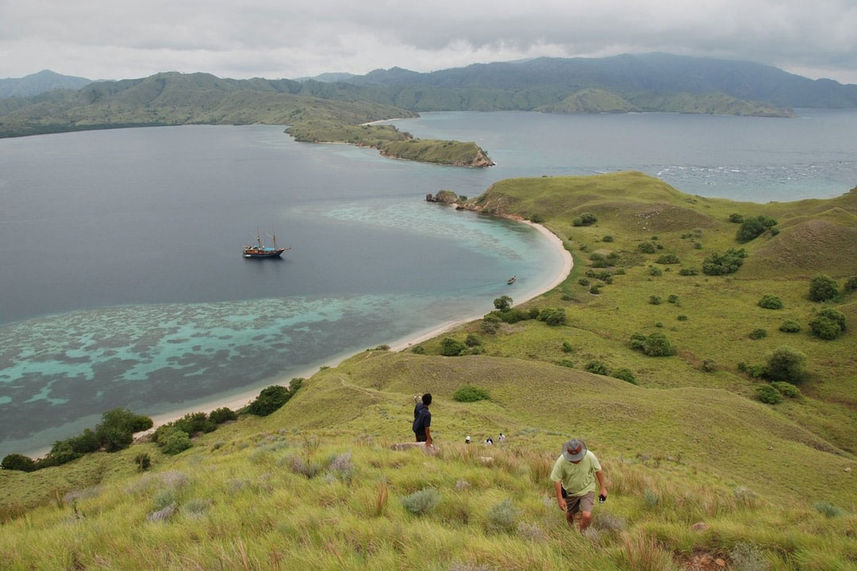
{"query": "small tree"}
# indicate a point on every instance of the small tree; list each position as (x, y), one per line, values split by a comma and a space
(823, 288)
(503, 303)
(270, 399)
(828, 324)
(469, 393)
(449, 347)
(768, 394)
(18, 462)
(553, 317)
(769, 301)
(786, 364)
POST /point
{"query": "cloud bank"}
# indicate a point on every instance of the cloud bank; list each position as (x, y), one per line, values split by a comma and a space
(114, 39)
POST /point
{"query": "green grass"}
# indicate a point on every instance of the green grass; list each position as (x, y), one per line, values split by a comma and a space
(317, 483)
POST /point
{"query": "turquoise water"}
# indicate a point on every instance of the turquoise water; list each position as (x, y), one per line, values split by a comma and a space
(121, 276)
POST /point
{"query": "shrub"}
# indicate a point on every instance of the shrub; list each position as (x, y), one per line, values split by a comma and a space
(597, 367)
(18, 462)
(655, 345)
(668, 259)
(472, 340)
(566, 347)
(585, 219)
(688, 272)
(786, 364)
(421, 502)
(673, 298)
(117, 428)
(195, 422)
(607, 239)
(708, 366)
(626, 375)
(646, 247)
(503, 517)
(787, 389)
(537, 218)
(175, 441)
(653, 271)
(553, 317)
(850, 285)
(270, 399)
(758, 334)
(828, 324)
(583, 281)
(595, 289)
(769, 301)
(490, 325)
(822, 288)
(566, 363)
(143, 462)
(654, 299)
(736, 218)
(721, 264)
(222, 414)
(450, 347)
(503, 303)
(750, 229)
(790, 326)
(469, 393)
(768, 395)
(682, 317)
(828, 510)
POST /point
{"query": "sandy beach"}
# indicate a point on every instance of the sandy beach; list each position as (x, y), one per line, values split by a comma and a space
(241, 400)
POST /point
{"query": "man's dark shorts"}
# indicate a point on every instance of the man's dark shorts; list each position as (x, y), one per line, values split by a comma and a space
(575, 504)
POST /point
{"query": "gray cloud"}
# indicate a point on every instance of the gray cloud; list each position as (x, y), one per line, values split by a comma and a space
(272, 38)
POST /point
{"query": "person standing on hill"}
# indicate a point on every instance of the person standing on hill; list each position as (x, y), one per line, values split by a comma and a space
(574, 475)
(422, 420)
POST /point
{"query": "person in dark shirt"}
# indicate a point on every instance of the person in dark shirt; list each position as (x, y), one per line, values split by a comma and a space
(422, 420)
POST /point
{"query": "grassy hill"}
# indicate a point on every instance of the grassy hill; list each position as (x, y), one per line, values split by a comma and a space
(701, 473)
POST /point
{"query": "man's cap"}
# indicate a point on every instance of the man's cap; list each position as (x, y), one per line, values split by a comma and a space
(570, 450)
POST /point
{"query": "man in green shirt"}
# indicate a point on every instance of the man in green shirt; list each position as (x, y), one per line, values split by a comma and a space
(574, 475)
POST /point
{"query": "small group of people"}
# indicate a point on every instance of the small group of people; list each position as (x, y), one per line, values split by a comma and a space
(488, 440)
(576, 473)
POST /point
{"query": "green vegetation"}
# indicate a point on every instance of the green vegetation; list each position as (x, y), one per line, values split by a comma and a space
(823, 288)
(469, 393)
(698, 464)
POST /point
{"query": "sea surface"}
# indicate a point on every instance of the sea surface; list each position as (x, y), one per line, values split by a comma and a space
(122, 283)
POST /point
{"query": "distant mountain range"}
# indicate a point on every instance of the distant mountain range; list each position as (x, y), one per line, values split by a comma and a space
(40, 82)
(50, 102)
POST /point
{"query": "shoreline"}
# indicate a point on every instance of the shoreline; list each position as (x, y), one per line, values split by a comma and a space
(239, 400)
(243, 399)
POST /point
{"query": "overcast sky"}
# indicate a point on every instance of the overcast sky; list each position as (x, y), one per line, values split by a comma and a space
(116, 39)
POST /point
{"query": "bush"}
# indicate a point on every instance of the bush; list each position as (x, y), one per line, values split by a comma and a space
(850, 285)
(673, 298)
(768, 395)
(654, 300)
(117, 428)
(758, 334)
(469, 393)
(503, 517)
(653, 271)
(787, 389)
(422, 502)
(769, 301)
(721, 264)
(626, 375)
(195, 422)
(688, 272)
(420, 350)
(708, 366)
(270, 399)
(472, 340)
(175, 441)
(595, 289)
(566, 347)
(583, 281)
(597, 367)
(786, 364)
(490, 325)
(828, 324)
(221, 415)
(18, 462)
(668, 259)
(646, 247)
(655, 345)
(503, 303)
(553, 317)
(736, 218)
(450, 347)
(585, 219)
(143, 462)
(750, 229)
(822, 288)
(790, 326)
(607, 239)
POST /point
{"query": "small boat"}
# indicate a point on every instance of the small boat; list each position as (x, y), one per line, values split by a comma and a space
(511, 280)
(262, 251)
